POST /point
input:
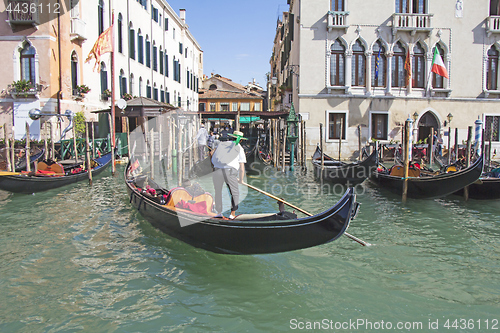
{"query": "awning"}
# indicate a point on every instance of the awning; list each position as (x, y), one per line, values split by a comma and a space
(248, 119)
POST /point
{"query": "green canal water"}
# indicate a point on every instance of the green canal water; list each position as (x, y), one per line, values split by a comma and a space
(81, 259)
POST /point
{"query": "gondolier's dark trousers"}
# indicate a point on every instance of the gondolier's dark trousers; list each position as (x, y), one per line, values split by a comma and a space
(230, 177)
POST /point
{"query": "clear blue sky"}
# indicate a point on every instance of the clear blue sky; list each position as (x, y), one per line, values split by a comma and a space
(236, 36)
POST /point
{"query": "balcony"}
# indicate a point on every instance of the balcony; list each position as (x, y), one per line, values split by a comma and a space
(492, 25)
(23, 12)
(31, 92)
(411, 22)
(337, 20)
(77, 29)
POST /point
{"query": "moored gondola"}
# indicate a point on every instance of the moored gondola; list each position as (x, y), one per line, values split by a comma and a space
(428, 187)
(188, 217)
(344, 173)
(21, 163)
(37, 182)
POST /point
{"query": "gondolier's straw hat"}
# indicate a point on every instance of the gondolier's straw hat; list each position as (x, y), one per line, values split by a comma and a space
(238, 135)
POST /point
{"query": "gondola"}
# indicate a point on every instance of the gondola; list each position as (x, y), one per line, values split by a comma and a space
(344, 173)
(21, 163)
(31, 182)
(428, 187)
(486, 188)
(247, 233)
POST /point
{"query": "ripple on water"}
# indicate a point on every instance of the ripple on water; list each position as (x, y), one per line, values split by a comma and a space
(82, 258)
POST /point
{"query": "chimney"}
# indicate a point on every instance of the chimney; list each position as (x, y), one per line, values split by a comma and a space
(182, 14)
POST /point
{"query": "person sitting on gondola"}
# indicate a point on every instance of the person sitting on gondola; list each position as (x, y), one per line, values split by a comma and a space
(229, 167)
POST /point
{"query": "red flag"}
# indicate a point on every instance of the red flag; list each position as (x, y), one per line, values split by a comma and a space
(408, 67)
(104, 44)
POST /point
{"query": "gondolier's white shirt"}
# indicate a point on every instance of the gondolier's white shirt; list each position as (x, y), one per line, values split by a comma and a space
(227, 155)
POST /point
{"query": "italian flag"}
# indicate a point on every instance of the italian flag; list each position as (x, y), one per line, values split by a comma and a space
(438, 64)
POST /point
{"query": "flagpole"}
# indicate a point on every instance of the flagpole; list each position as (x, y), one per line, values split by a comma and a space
(112, 124)
(429, 76)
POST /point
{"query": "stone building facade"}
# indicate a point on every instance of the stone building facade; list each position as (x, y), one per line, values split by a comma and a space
(156, 56)
(368, 63)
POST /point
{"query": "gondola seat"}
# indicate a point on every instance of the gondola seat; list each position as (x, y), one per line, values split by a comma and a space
(398, 171)
(180, 198)
(47, 168)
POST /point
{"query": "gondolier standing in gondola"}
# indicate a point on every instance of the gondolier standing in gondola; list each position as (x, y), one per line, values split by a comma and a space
(229, 164)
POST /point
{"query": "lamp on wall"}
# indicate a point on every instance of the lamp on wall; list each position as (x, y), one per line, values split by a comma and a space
(449, 117)
(415, 116)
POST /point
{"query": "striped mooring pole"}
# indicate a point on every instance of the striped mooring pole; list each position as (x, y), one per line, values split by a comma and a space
(477, 136)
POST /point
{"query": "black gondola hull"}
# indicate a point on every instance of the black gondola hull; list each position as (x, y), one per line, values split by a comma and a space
(32, 184)
(248, 237)
(431, 187)
(349, 174)
(484, 189)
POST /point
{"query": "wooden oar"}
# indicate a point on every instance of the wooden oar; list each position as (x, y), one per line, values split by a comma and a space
(9, 173)
(301, 210)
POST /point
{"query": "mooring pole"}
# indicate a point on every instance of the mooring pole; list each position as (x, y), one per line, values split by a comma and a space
(28, 153)
(340, 137)
(87, 153)
(321, 148)
(7, 148)
(449, 145)
(431, 147)
(359, 142)
(467, 160)
(405, 161)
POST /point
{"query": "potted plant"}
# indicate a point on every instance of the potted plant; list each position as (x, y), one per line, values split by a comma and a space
(127, 96)
(82, 89)
(22, 88)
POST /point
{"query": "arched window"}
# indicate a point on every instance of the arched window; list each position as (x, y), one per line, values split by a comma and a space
(74, 73)
(140, 47)
(148, 52)
(162, 95)
(155, 92)
(438, 80)
(120, 33)
(358, 64)
(132, 84)
(337, 60)
(123, 83)
(418, 66)
(148, 90)
(494, 7)
(162, 61)
(131, 41)
(27, 57)
(337, 5)
(140, 86)
(212, 87)
(167, 95)
(166, 63)
(398, 66)
(379, 65)
(492, 70)
(155, 57)
(100, 16)
(411, 6)
(104, 78)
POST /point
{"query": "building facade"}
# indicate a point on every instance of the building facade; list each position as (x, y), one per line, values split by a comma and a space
(155, 56)
(351, 62)
(220, 94)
